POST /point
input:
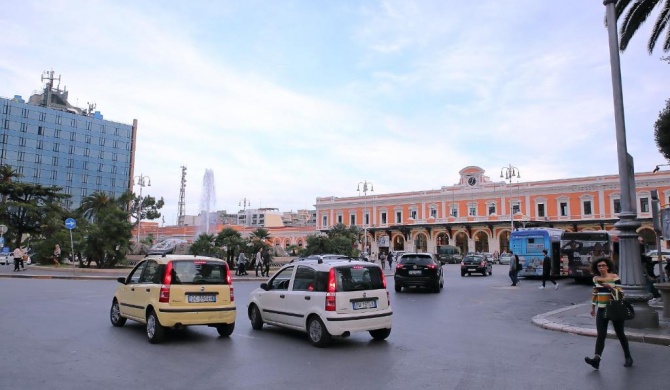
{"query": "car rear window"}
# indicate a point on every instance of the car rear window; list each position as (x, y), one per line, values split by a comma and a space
(353, 278)
(416, 259)
(199, 272)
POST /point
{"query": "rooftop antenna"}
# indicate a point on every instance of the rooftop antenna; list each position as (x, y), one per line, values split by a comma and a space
(182, 198)
(49, 76)
(91, 107)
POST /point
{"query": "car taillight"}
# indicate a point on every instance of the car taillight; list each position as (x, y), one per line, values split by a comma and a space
(229, 277)
(384, 280)
(164, 295)
(431, 266)
(330, 292)
(232, 294)
(398, 266)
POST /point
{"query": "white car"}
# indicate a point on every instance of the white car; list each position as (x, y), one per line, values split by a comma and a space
(6, 258)
(324, 298)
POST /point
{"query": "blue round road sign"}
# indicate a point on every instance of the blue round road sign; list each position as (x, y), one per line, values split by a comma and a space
(70, 223)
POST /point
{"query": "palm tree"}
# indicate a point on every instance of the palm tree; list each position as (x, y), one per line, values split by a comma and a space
(94, 203)
(637, 12)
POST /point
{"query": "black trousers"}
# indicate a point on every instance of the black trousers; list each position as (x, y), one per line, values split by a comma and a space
(601, 327)
(547, 275)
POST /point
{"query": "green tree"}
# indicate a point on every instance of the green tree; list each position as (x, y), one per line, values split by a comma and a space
(339, 240)
(205, 245)
(7, 175)
(108, 240)
(635, 14)
(27, 205)
(662, 131)
(232, 240)
(91, 205)
(145, 207)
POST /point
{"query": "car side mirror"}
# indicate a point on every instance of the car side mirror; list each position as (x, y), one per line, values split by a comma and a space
(121, 279)
(265, 286)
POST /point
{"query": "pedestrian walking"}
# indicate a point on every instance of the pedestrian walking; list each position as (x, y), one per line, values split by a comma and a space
(514, 269)
(18, 258)
(241, 264)
(382, 259)
(259, 261)
(605, 283)
(266, 263)
(546, 270)
(56, 255)
(390, 260)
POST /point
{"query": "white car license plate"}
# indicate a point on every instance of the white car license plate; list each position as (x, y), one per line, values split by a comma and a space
(201, 298)
(364, 305)
(415, 272)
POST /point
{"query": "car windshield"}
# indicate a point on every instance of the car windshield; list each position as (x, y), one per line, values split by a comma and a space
(358, 277)
(198, 272)
(418, 260)
(473, 258)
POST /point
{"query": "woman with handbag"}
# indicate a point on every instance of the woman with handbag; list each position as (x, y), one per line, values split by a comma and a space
(606, 283)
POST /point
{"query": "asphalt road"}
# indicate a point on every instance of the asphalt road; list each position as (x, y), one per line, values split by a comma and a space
(476, 334)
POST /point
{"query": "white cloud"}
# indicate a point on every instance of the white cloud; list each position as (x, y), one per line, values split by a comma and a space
(400, 93)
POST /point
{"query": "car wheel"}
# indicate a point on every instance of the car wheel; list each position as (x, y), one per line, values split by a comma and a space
(255, 318)
(469, 274)
(115, 315)
(462, 274)
(491, 272)
(398, 288)
(485, 272)
(225, 330)
(155, 331)
(436, 287)
(380, 334)
(317, 332)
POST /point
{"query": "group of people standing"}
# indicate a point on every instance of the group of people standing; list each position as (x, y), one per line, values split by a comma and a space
(20, 257)
(261, 262)
(383, 259)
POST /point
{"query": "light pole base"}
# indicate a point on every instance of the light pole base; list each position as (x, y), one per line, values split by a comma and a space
(645, 316)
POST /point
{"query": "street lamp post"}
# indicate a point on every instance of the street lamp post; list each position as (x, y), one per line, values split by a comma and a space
(630, 266)
(365, 190)
(510, 172)
(142, 181)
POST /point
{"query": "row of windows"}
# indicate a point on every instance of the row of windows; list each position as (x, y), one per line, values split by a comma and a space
(58, 119)
(564, 211)
(71, 149)
(117, 144)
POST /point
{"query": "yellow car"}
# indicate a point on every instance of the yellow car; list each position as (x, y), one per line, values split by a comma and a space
(174, 291)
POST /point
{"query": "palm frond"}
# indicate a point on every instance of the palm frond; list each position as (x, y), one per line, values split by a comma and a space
(634, 19)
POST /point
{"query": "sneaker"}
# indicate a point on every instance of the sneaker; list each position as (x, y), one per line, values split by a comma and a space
(595, 362)
(541, 287)
(556, 286)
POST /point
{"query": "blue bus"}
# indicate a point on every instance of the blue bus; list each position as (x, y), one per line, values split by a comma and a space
(528, 244)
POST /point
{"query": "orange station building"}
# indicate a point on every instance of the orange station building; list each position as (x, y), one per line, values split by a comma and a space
(478, 214)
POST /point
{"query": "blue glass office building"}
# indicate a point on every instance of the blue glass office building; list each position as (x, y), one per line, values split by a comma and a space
(51, 142)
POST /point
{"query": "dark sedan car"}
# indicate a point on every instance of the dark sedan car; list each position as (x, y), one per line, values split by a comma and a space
(418, 270)
(476, 264)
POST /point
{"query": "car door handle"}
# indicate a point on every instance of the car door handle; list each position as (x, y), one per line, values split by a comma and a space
(282, 296)
(147, 290)
(307, 298)
(132, 289)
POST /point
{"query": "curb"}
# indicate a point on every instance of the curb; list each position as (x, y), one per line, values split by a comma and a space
(544, 322)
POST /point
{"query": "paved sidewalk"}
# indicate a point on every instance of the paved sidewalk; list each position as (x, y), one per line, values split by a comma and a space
(577, 319)
(573, 319)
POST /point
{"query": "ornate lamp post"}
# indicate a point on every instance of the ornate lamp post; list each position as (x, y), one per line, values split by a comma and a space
(630, 266)
(365, 190)
(510, 172)
(142, 181)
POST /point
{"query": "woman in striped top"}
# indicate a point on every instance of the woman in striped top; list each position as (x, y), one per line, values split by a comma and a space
(605, 283)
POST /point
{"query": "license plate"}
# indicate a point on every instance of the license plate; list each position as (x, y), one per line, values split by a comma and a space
(201, 298)
(417, 272)
(364, 305)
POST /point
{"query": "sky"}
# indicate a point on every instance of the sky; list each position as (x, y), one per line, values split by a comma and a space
(286, 101)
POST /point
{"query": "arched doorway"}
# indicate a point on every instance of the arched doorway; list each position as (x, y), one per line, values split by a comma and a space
(398, 243)
(504, 241)
(442, 239)
(421, 243)
(462, 242)
(481, 242)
